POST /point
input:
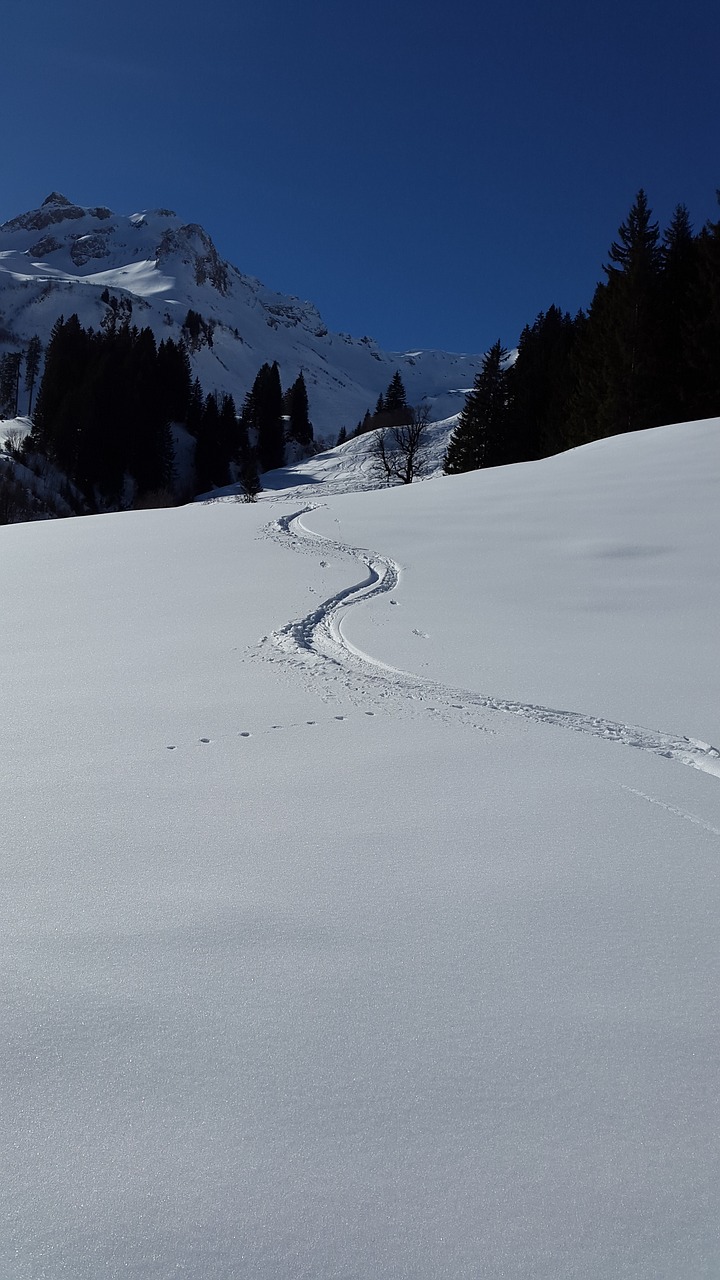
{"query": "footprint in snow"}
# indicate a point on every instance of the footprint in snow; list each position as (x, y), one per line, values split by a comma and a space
(245, 733)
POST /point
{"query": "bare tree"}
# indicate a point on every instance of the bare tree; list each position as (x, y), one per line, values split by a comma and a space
(399, 451)
(14, 442)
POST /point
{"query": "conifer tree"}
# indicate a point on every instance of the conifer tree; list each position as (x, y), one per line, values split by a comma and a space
(678, 277)
(10, 383)
(483, 422)
(206, 450)
(703, 344)
(54, 430)
(193, 417)
(298, 410)
(395, 397)
(540, 384)
(32, 368)
(249, 478)
(263, 412)
(175, 379)
(617, 361)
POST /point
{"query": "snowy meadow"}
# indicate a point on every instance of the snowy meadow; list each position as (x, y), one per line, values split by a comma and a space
(361, 878)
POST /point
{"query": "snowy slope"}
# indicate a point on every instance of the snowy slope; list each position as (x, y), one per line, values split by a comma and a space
(60, 259)
(360, 873)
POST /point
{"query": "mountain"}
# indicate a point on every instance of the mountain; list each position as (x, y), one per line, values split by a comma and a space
(64, 258)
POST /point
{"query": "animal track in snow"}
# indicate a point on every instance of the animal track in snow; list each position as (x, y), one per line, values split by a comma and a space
(316, 647)
(274, 728)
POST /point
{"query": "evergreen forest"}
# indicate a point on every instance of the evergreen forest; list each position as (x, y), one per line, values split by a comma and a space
(107, 404)
(645, 353)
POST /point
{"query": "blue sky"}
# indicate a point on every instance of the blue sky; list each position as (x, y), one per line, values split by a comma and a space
(429, 174)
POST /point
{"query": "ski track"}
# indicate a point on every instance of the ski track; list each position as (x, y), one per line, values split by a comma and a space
(316, 646)
(674, 809)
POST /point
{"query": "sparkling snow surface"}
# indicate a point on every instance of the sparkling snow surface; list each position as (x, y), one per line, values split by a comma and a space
(334, 947)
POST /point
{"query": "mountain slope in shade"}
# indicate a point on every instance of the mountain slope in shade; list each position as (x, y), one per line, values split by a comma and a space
(64, 258)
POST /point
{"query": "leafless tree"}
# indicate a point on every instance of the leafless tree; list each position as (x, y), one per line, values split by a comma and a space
(14, 442)
(399, 451)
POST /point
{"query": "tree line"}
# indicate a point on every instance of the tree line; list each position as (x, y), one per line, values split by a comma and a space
(107, 402)
(644, 354)
(11, 365)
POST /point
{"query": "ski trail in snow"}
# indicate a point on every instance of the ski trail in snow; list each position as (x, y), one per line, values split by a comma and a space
(673, 808)
(316, 644)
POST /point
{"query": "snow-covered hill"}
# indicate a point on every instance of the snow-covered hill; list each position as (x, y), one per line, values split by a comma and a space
(360, 878)
(64, 258)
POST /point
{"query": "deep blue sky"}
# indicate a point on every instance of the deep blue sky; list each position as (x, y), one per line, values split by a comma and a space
(430, 174)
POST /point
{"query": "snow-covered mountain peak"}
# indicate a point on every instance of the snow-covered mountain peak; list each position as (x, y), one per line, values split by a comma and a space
(55, 209)
(64, 257)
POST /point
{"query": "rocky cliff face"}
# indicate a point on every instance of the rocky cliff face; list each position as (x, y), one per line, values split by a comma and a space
(64, 258)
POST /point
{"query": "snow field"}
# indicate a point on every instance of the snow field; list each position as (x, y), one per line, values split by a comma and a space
(309, 971)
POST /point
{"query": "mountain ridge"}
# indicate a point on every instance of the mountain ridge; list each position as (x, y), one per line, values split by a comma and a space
(63, 257)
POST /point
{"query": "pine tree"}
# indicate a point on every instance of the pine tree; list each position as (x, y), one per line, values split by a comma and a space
(193, 416)
(10, 383)
(618, 358)
(208, 468)
(679, 272)
(32, 368)
(249, 478)
(540, 386)
(175, 379)
(54, 430)
(703, 341)
(263, 412)
(342, 436)
(395, 397)
(298, 410)
(483, 421)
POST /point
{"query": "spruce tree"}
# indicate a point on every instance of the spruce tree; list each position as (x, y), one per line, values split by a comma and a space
(263, 412)
(175, 379)
(395, 397)
(32, 368)
(208, 469)
(540, 385)
(193, 416)
(477, 438)
(617, 363)
(10, 383)
(703, 341)
(54, 430)
(298, 410)
(679, 273)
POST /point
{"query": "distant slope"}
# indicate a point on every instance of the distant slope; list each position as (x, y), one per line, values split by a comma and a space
(64, 258)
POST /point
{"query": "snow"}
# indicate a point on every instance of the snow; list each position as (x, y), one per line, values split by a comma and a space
(61, 258)
(344, 932)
